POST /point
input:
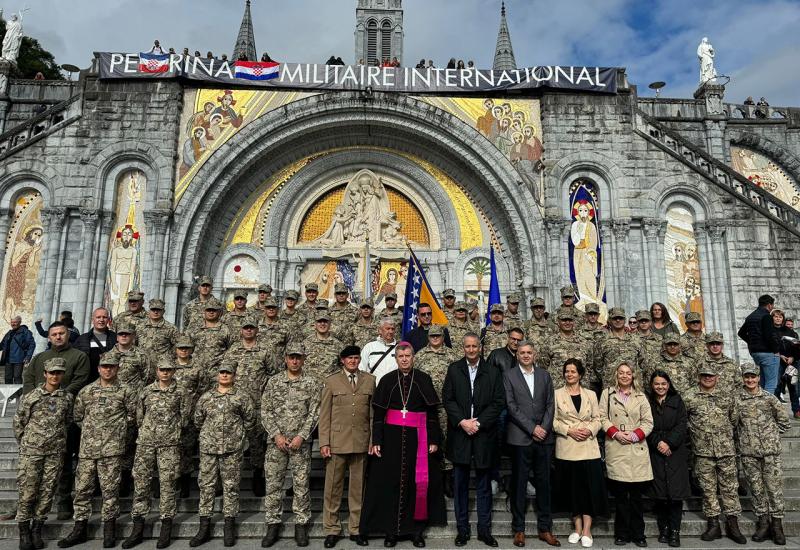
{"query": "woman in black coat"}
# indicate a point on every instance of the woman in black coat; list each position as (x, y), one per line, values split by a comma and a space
(669, 457)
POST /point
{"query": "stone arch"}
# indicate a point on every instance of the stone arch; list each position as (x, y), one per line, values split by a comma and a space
(505, 274)
(25, 174)
(107, 165)
(217, 268)
(694, 192)
(594, 166)
(769, 148)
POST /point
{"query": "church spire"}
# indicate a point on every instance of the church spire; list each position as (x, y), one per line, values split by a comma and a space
(246, 41)
(504, 52)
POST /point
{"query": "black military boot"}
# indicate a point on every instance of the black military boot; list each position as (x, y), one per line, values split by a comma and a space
(77, 536)
(25, 542)
(137, 534)
(272, 535)
(36, 533)
(165, 536)
(777, 532)
(203, 534)
(713, 530)
(732, 530)
(301, 534)
(663, 531)
(229, 532)
(185, 484)
(110, 533)
(675, 538)
(257, 483)
(762, 529)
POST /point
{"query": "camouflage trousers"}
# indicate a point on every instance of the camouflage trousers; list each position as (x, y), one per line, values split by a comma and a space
(765, 478)
(37, 479)
(446, 464)
(228, 467)
(151, 462)
(109, 471)
(718, 474)
(275, 465)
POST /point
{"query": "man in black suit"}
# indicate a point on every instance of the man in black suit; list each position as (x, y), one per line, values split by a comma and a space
(418, 337)
(530, 401)
(473, 399)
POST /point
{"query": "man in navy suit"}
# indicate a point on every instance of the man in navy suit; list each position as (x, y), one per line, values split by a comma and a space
(530, 401)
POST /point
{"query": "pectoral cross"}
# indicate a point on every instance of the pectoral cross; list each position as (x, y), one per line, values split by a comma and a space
(404, 411)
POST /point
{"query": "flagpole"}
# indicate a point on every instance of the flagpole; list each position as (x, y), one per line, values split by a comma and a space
(368, 274)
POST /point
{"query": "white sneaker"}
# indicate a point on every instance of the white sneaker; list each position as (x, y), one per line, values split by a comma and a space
(586, 542)
(530, 490)
(495, 487)
(574, 538)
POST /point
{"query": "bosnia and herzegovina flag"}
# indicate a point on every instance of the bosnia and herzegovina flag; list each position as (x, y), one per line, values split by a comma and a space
(419, 291)
(257, 70)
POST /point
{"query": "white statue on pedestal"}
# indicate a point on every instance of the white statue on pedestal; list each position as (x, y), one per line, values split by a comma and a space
(705, 53)
(13, 37)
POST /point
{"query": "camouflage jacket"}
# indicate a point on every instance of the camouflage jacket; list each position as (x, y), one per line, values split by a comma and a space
(157, 339)
(361, 332)
(762, 420)
(135, 368)
(188, 378)
(105, 415)
(255, 366)
(693, 346)
(291, 407)
(729, 374)
(493, 339)
(193, 313)
(234, 321)
(435, 363)
(537, 331)
(459, 329)
(40, 423)
(223, 420)
(136, 319)
(322, 357)
(514, 320)
(712, 418)
(211, 343)
(592, 334)
(292, 322)
(611, 350)
(682, 370)
(274, 336)
(161, 414)
(650, 348)
(558, 348)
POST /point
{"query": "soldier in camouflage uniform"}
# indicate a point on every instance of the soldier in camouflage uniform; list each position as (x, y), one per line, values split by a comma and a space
(135, 314)
(235, 318)
(271, 332)
(343, 314)
(309, 307)
(193, 312)
(459, 326)
(712, 417)
(449, 303)
(513, 317)
(289, 414)
(537, 329)
(366, 326)
(223, 416)
(212, 338)
(682, 370)
(434, 359)
(592, 329)
(40, 428)
(157, 336)
(474, 314)
(394, 313)
(188, 373)
(163, 409)
(264, 292)
(617, 346)
(728, 371)
(256, 364)
(762, 420)
(104, 410)
(693, 341)
(568, 304)
(290, 317)
(322, 350)
(650, 346)
(494, 335)
(566, 344)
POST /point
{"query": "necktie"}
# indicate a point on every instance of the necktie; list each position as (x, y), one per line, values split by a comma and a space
(353, 381)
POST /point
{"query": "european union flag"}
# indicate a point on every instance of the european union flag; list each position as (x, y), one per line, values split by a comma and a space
(494, 287)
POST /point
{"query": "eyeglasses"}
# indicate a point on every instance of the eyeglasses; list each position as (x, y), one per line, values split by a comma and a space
(425, 314)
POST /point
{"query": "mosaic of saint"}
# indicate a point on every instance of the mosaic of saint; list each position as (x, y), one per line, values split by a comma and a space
(585, 248)
(327, 275)
(124, 260)
(22, 260)
(766, 174)
(684, 293)
(389, 277)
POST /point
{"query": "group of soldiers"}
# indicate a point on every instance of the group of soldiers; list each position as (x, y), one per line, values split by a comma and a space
(250, 379)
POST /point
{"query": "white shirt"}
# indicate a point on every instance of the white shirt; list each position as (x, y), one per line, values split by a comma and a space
(370, 355)
(473, 372)
(528, 377)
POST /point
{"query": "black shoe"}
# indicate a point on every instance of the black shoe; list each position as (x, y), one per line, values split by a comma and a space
(732, 530)
(461, 539)
(360, 540)
(331, 540)
(418, 541)
(272, 535)
(713, 531)
(110, 533)
(25, 542)
(229, 532)
(77, 536)
(36, 533)
(137, 534)
(165, 536)
(488, 540)
(203, 533)
(301, 534)
(641, 543)
(390, 542)
(663, 534)
(675, 539)
(620, 541)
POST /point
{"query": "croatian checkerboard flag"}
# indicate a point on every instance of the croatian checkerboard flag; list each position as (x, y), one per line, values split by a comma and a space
(256, 70)
(153, 62)
(419, 291)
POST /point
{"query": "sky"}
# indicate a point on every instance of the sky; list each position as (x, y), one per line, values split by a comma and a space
(756, 41)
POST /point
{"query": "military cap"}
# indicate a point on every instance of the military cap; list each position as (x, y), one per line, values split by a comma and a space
(537, 302)
(249, 321)
(240, 294)
(693, 317)
(366, 302)
(708, 368)
(460, 306)
(472, 302)
(565, 314)
(568, 291)
(265, 288)
(591, 307)
(616, 312)
(643, 315)
(156, 303)
(322, 303)
(750, 368)
(322, 315)
(126, 328)
(295, 348)
(449, 293)
(56, 364)
(165, 364)
(227, 365)
(271, 302)
(714, 337)
(513, 298)
(391, 296)
(340, 288)
(292, 295)
(497, 308)
(135, 296)
(312, 287)
(215, 304)
(109, 358)
(349, 350)
(436, 330)
(206, 280)
(671, 338)
(184, 341)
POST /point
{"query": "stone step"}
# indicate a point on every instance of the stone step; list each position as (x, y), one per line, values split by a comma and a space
(251, 525)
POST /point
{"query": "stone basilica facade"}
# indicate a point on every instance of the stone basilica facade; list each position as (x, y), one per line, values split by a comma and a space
(108, 186)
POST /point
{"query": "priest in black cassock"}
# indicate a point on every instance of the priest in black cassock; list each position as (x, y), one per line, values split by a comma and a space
(404, 484)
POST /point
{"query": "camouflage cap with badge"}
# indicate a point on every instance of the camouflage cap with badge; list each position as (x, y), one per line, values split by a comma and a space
(340, 288)
(391, 296)
(295, 348)
(162, 363)
(184, 341)
(322, 303)
(312, 287)
(436, 330)
(271, 302)
(750, 368)
(671, 338)
(227, 365)
(240, 294)
(214, 304)
(693, 317)
(497, 308)
(124, 327)
(205, 280)
(135, 296)
(643, 315)
(110, 358)
(56, 364)
(291, 295)
(538, 301)
(513, 298)
(366, 302)
(591, 308)
(568, 291)
(616, 312)
(565, 314)
(461, 306)
(156, 303)
(265, 288)
(322, 315)
(714, 337)
(449, 293)
(707, 368)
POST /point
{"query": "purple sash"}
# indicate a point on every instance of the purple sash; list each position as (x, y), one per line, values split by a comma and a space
(419, 421)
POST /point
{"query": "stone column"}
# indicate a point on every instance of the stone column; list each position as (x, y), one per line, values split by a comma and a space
(609, 266)
(621, 228)
(554, 227)
(654, 232)
(157, 222)
(708, 277)
(6, 217)
(99, 286)
(53, 219)
(725, 317)
(90, 218)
